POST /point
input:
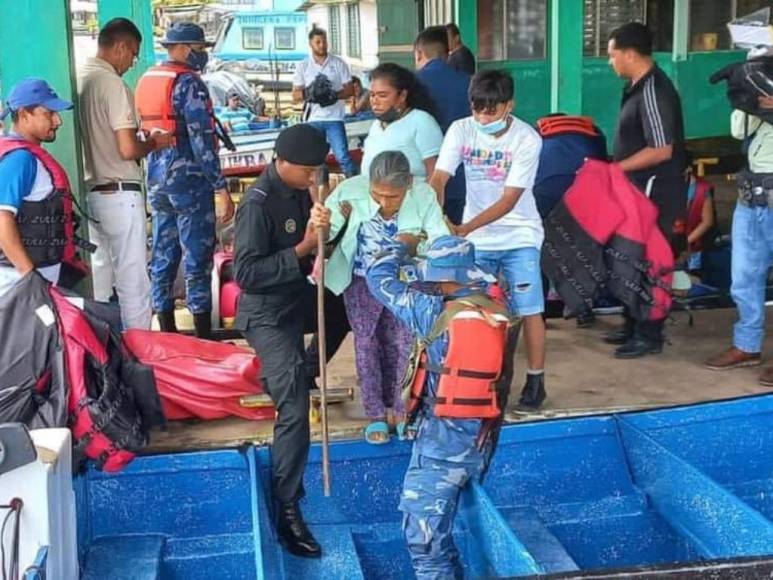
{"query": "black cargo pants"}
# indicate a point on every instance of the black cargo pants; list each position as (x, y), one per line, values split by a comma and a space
(277, 337)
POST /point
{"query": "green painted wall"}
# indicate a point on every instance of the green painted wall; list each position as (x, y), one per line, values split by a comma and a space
(36, 40)
(139, 12)
(705, 107)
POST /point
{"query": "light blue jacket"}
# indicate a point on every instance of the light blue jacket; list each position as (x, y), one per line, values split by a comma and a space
(419, 212)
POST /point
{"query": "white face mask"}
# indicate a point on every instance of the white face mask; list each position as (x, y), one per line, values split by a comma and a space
(493, 127)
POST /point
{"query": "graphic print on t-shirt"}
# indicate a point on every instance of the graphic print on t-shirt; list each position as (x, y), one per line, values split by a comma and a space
(483, 164)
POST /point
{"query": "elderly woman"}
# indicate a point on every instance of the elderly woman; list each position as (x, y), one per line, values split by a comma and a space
(385, 203)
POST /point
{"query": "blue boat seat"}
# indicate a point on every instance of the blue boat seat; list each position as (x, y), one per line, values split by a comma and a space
(128, 557)
(546, 549)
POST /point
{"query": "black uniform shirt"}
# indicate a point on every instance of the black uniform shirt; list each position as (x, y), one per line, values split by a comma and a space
(651, 116)
(271, 220)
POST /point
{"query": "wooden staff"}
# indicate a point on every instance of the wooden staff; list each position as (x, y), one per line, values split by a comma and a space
(322, 342)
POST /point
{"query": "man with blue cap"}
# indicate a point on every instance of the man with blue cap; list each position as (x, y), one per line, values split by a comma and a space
(36, 218)
(183, 179)
(458, 382)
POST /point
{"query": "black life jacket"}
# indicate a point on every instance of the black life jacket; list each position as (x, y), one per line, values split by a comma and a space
(65, 366)
(746, 82)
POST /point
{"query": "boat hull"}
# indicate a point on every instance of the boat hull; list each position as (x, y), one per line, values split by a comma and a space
(667, 493)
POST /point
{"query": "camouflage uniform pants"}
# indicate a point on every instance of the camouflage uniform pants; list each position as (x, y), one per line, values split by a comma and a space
(183, 228)
(429, 501)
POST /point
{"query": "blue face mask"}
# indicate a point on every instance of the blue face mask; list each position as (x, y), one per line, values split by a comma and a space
(198, 60)
(494, 127)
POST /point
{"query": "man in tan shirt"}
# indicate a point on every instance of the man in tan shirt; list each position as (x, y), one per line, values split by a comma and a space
(112, 152)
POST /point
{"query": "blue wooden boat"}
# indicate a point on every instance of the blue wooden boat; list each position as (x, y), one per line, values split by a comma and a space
(680, 492)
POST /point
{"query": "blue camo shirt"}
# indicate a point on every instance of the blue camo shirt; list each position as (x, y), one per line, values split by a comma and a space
(18, 171)
(193, 164)
(451, 440)
(369, 240)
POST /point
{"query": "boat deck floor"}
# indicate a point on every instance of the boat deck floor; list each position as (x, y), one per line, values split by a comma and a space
(582, 377)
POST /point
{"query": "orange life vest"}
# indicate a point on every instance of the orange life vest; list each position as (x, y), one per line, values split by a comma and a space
(153, 99)
(557, 124)
(477, 335)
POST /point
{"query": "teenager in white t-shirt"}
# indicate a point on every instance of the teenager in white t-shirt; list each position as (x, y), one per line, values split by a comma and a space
(500, 154)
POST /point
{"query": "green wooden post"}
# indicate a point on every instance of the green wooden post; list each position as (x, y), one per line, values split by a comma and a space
(141, 13)
(681, 29)
(467, 21)
(566, 32)
(36, 41)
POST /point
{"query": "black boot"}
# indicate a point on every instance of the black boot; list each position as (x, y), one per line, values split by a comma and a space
(202, 323)
(166, 321)
(623, 335)
(639, 346)
(586, 319)
(533, 393)
(293, 533)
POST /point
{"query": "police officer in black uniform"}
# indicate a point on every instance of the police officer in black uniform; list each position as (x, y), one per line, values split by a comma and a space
(274, 246)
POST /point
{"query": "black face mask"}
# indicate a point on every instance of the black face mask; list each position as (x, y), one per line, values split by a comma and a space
(389, 116)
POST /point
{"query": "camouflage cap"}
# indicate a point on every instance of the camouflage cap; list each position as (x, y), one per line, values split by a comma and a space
(452, 259)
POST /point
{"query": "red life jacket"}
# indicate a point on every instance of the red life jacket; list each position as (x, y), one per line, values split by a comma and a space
(477, 336)
(703, 189)
(155, 106)
(47, 227)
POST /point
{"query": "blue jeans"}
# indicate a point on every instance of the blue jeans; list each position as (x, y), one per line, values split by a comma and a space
(521, 270)
(335, 133)
(752, 237)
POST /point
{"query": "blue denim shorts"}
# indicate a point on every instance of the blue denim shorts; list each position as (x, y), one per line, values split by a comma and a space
(520, 270)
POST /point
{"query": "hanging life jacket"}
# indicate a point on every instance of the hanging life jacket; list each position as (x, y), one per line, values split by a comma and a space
(477, 337)
(47, 227)
(155, 105)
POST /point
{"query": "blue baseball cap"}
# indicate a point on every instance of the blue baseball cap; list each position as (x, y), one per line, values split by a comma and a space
(34, 92)
(185, 33)
(452, 259)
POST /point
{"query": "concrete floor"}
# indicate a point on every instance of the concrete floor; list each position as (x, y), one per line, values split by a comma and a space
(582, 378)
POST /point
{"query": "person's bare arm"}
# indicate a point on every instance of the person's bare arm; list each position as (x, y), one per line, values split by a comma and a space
(131, 148)
(11, 244)
(493, 212)
(647, 157)
(429, 164)
(297, 94)
(346, 91)
(707, 221)
(438, 181)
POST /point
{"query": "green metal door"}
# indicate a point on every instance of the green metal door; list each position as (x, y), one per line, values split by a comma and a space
(398, 24)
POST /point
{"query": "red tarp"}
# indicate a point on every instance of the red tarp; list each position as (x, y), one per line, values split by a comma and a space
(199, 378)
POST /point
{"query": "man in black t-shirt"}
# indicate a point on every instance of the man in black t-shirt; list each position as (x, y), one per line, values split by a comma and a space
(649, 146)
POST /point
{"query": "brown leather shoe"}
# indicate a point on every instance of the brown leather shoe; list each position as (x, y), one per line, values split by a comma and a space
(733, 358)
(766, 378)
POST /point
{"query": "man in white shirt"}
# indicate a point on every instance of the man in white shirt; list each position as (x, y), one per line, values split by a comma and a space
(500, 154)
(322, 80)
(112, 150)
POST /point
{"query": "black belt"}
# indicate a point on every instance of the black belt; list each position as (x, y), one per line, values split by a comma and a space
(119, 186)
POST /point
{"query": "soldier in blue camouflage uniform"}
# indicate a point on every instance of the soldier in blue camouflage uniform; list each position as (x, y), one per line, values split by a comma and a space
(182, 181)
(446, 453)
